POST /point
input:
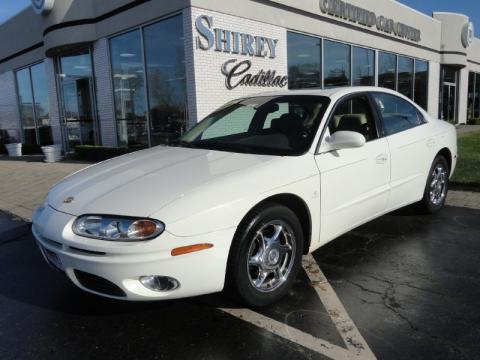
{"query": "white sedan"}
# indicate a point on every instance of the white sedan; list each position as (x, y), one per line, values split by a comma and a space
(244, 194)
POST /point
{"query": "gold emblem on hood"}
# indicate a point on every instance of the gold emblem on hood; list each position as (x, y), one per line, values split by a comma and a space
(68, 200)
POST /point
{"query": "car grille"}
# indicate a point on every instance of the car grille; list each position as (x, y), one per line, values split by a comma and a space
(98, 284)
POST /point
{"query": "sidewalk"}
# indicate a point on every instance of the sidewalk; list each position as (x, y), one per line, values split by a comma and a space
(24, 183)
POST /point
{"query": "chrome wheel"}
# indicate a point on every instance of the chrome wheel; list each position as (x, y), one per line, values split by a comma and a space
(271, 256)
(438, 185)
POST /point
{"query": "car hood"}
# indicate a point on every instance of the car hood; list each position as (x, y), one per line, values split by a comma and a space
(141, 183)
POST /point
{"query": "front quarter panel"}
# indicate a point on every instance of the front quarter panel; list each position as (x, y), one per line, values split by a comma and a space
(223, 204)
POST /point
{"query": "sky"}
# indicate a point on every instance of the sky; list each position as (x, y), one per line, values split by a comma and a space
(471, 8)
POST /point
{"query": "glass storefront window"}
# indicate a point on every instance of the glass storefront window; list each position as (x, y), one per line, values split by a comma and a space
(363, 67)
(421, 83)
(476, 99)
(129, 89)
(336, 64)
(33, 102)
(165, 67)
(304, 61)
(159, 68)
(387, 70)
(471, 96)
(42, 108)
(405, 76)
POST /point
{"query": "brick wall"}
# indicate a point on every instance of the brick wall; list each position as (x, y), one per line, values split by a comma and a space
(205, 81)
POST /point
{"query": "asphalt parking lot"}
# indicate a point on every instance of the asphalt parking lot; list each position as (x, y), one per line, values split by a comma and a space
(409, 286)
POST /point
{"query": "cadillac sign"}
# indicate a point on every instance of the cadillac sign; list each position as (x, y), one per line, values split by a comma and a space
(42, 7)
(237, 73)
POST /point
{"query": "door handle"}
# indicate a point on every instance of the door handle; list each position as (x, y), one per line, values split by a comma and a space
(430, 142)
(382, 158)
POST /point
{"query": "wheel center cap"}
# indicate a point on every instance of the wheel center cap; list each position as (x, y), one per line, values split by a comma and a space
(273, 257)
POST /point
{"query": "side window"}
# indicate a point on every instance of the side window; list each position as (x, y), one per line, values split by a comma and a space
(354, 114)
(398, 114)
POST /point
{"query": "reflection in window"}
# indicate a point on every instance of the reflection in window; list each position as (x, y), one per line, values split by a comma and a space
(363, 67)
(165, 69)
(405, 76)
(304, 61)
(129, 89)
(421, 83)
(471, 96)
(34, 107)
(476, 109)
(398, 114)
(337, 64)
(387, 70)
(165, 65)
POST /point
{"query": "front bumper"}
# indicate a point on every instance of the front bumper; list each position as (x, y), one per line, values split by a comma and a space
(88, 262)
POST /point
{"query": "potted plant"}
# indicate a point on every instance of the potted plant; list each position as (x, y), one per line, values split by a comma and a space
(14, 149)
(53, 153)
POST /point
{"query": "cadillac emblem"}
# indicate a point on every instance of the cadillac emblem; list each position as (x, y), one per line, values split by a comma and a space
(68, 200)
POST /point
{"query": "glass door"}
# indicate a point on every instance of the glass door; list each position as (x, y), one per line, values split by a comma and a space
(78, 114)
(449, 103)
(448, 94)
(77, 92)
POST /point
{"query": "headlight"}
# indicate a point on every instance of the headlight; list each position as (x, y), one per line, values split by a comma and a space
(117, 228)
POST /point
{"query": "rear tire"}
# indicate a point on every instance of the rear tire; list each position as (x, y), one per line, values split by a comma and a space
(265, 256)
(436, 189)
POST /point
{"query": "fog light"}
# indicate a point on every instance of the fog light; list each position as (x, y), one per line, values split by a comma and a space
(159, 283)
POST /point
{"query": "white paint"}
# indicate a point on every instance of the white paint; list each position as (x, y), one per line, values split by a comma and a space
(355, 345)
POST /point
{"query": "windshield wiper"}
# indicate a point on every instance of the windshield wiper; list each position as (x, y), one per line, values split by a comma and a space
(185, 144)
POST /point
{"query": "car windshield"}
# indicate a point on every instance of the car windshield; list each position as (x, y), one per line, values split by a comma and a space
(273, 125)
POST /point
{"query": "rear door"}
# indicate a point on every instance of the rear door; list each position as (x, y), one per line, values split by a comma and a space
(354, 182)
(411, 145)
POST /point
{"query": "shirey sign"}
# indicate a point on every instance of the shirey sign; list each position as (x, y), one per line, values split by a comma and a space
(241, 44)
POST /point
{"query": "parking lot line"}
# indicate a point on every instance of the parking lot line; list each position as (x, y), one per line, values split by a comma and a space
(356, 346)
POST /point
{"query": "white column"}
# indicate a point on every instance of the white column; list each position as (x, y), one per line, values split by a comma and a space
(462, 100)
(104, 93)
(433, 88)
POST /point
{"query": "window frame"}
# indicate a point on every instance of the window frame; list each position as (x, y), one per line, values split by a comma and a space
(416, 107)
(21, 128)
(378, 121)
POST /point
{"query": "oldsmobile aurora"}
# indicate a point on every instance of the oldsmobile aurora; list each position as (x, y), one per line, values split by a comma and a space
(244, 194)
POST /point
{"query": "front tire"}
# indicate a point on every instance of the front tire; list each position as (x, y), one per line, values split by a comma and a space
(265, 256)
(436, 189)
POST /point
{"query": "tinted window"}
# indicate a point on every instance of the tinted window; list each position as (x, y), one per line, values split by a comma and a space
(387, 70)
(304, 61)
(354, 114)
(363, 67)
(405, 76)
(421, 83)
(129, 89)
(165, 65)
(336, 64)
(398, 114)
(283, 125)
(34, 108)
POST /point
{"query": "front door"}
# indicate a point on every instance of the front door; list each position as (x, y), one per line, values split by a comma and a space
(449, 103)
(78, 114)
(354, 182)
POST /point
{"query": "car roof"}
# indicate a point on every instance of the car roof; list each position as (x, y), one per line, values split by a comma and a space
(330, 92)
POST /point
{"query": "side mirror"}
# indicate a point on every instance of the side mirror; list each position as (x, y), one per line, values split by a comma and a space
(342, 140)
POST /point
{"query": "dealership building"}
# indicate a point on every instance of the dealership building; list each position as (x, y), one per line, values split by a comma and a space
(136, 74)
